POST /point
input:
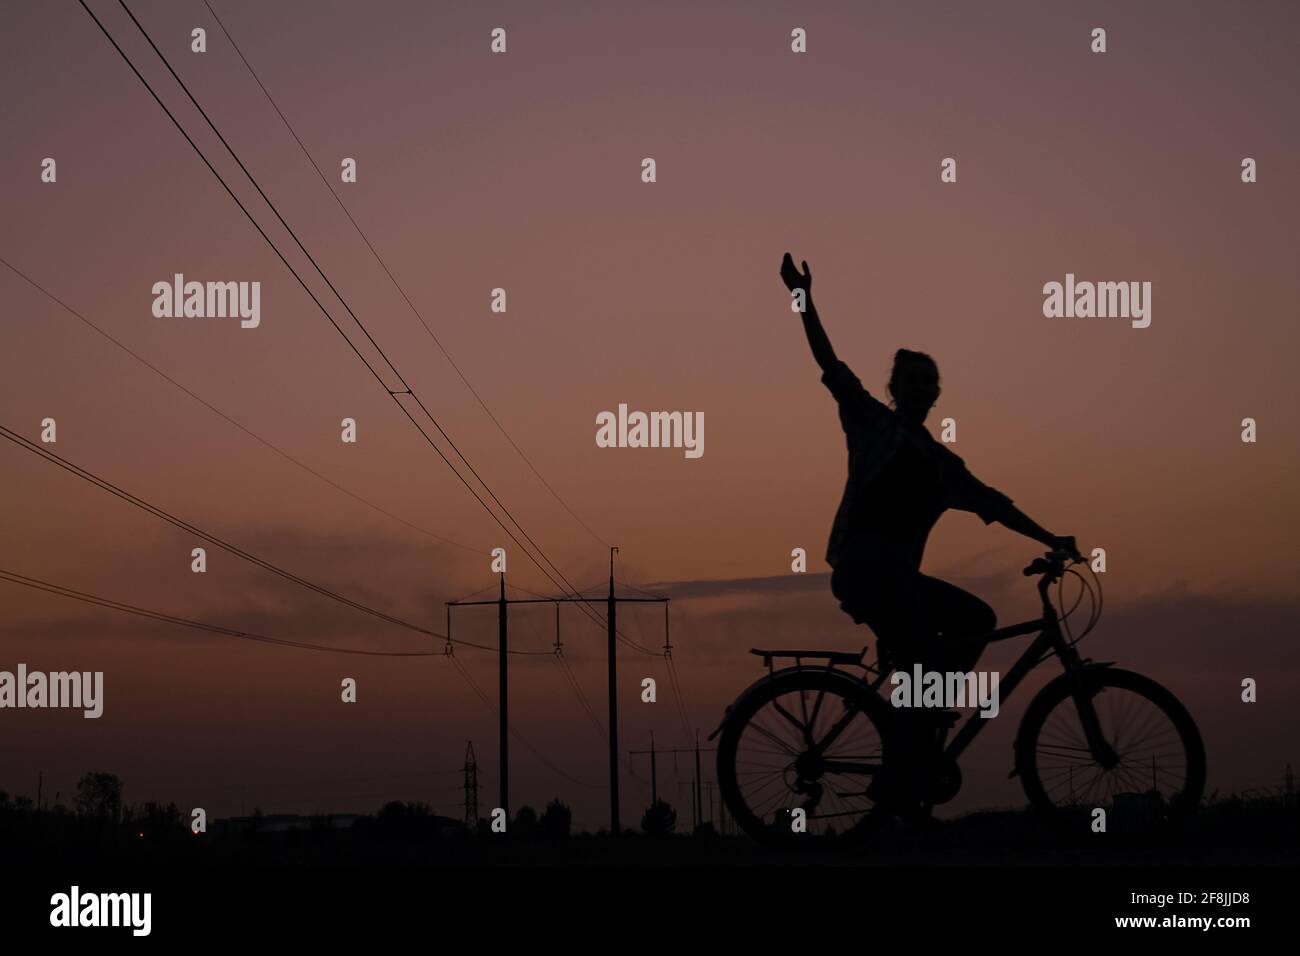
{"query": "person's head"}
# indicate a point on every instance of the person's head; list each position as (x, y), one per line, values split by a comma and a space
(914, 384)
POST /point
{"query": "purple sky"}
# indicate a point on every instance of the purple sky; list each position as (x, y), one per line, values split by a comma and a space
(522, 171)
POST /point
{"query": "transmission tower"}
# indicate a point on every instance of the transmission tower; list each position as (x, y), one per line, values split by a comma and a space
(471, 788)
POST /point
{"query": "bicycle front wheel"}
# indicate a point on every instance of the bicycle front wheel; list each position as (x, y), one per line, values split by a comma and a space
(812, 740)
(1152, 767)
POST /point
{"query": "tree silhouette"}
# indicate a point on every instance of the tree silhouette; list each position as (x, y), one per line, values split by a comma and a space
(555, 820)
(99, 797)
(155, 820)
(659, 819)
(525, 824)
(403, 820)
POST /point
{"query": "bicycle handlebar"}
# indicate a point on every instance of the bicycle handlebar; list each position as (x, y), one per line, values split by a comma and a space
(1053, 562)
(1052, 568)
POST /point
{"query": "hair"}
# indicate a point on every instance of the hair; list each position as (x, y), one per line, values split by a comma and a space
(906, 357)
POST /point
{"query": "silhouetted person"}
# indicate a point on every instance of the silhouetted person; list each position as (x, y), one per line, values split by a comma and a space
(900, 481)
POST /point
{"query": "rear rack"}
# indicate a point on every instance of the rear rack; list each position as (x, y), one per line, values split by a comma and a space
(831, 657)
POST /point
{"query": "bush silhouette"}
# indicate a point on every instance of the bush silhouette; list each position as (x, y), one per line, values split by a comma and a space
(556, 820)
(659, 819)
(99, 797)
(525, 823)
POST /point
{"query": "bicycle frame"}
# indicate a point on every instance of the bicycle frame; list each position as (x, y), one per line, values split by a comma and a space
(1048, 641)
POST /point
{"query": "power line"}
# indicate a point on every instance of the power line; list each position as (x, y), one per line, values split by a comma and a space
(487, 702)
(679, 700)
(488, 587)
(171, 519)
(618, 633)
(406, 389)
(572, 680)
(600, 623)
(84, 597)
(373, 251)
(39, 585)
(212, 408)
(393, 393)
(672, 670)
(282, 258)
(639, 590)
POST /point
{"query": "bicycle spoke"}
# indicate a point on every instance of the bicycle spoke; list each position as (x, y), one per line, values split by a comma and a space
(774, 738)
(809, 748)
(837, 729)
(1147, 744)
(817, 707)
(803, 731)
(1058, 749)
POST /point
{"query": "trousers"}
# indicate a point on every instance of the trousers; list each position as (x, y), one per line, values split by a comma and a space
(916, 618)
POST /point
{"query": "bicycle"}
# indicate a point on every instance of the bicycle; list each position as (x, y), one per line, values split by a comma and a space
(822, 739)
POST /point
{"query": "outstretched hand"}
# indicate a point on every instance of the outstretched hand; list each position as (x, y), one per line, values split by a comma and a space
(791, 276)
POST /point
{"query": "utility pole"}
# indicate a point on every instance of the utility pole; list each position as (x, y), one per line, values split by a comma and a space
(696, 787)
(611, 602)
(503, 699)
(699, 807)
(690, 785)
(654, 772)
(471, 788)
(612, 607)
(654, 767)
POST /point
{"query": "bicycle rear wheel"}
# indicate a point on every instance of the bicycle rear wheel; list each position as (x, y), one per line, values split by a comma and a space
(1156, 773)
(810, 739)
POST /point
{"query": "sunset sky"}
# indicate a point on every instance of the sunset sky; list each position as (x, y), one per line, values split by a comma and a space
(522, 171)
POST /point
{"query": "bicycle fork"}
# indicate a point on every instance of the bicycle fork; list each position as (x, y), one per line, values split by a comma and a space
(1098, 746)
(1078, 671)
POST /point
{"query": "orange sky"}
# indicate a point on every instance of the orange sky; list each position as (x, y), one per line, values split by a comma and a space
(522, 171)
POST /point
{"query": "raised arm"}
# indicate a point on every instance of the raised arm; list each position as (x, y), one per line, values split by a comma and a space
(812, 326)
